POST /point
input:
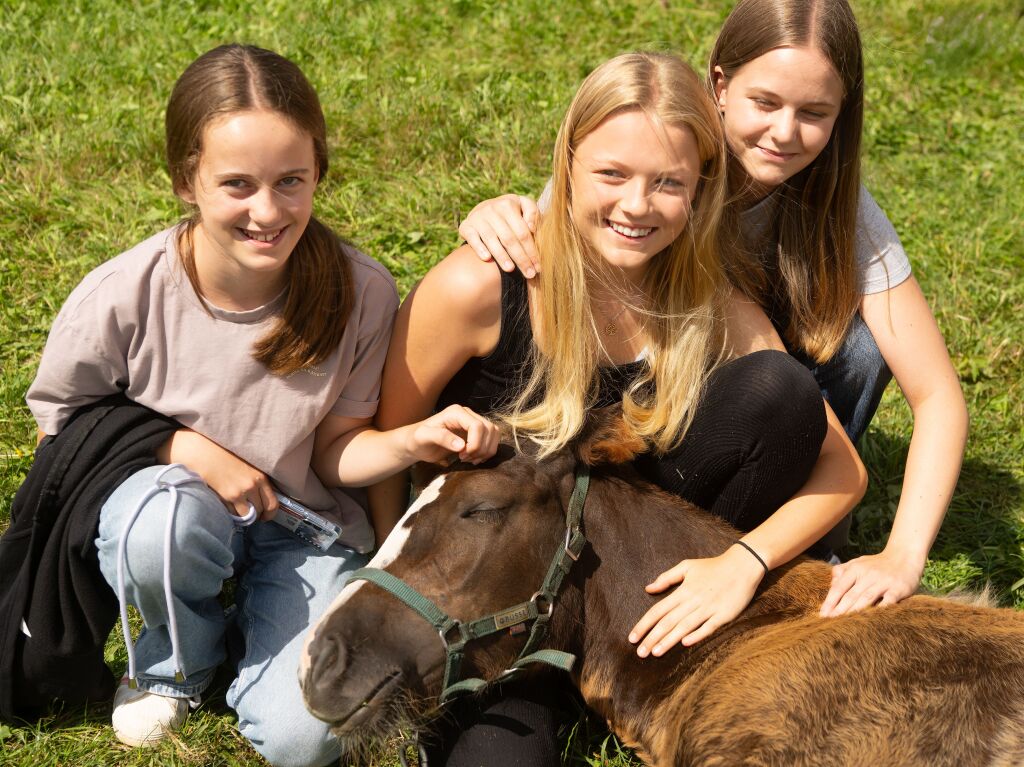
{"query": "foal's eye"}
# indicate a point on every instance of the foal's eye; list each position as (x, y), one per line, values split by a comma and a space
(484, 512)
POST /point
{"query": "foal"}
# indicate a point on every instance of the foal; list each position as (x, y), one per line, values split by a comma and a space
(926, 682)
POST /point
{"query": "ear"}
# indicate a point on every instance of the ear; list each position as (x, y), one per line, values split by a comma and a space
(186, 195)
(606, 439)
(423, 473)
(720, 83)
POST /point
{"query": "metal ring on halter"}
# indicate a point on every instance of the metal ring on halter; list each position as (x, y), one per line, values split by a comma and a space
(444, 634)
(546, 598)
(569, 552)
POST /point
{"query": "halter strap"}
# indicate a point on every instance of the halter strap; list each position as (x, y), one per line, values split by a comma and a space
(456, 634)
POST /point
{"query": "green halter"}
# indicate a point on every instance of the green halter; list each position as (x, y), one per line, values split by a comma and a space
(455, 634)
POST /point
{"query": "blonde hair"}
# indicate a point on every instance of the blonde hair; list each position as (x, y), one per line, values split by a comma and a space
(812, 274)
(684, 283)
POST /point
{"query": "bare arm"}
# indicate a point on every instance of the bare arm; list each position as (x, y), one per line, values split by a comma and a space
(454, 314)
(913, 347)
(349, 451)
(714, 591)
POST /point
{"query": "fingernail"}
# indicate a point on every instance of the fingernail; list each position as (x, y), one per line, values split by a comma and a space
(633, 638)
(530, 273)
(641, 651)
(657, 649)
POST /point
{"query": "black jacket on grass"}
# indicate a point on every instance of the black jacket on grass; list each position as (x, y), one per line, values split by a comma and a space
(49, 570)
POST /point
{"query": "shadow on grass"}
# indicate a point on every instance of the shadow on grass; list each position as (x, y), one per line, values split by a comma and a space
(981, 538)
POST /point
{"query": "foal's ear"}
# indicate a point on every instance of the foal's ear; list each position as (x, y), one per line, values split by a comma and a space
(423, 473)
(606, 439)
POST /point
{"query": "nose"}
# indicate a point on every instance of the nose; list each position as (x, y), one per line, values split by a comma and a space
(328, 661)
(636, 198)
(784, 127)
(263, 207)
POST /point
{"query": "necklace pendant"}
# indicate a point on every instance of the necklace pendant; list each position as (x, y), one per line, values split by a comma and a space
(611, 328)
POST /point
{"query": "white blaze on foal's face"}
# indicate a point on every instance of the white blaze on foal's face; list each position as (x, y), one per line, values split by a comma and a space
(386, 554)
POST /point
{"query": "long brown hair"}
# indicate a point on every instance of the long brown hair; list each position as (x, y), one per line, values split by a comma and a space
(236, 78)
(812, 275)
(684, 284)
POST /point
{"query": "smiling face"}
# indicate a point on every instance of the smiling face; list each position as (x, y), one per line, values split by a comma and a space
(779, 110)
(254, 189)
(633, 184)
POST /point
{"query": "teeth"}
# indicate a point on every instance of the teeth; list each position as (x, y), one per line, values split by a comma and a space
(262, 236)
(630, 232)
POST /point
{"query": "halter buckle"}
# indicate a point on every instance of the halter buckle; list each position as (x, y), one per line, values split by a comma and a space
(463, 636)
(538, 599)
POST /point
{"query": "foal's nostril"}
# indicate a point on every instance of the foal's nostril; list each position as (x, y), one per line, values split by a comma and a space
(328, 661)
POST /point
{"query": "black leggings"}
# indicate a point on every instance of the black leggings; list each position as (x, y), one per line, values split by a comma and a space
(755, 437)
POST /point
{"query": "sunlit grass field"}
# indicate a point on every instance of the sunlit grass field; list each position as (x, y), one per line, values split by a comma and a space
(435, 106)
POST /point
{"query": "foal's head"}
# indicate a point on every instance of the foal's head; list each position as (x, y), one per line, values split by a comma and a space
(476, 541)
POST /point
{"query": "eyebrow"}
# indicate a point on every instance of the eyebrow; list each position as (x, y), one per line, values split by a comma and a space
(598, 162)
(765, 92)
(239, 174)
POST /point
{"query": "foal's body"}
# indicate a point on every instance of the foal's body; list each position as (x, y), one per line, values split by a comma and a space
(928, 681)
(925, 682)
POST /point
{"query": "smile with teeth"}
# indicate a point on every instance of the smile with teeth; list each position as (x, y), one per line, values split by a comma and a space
(630, 232)
(261, 236)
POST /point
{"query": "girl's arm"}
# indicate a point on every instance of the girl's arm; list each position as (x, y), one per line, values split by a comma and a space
(715, 590)
(237, 482)
(503, 229)
(913, 347)
(349, 451)
(453, 315)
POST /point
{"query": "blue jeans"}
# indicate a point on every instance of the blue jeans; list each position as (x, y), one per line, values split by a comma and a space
(852, 382)
(284, 585)
(854, 379)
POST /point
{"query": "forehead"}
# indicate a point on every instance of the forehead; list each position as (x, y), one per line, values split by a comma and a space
(633, 138)
(255, 140)
(803, 73)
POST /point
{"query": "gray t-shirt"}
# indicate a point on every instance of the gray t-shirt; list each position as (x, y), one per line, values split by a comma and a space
(135, 325)
(881, 260)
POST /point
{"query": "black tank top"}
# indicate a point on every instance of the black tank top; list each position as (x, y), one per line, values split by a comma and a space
(491, 383)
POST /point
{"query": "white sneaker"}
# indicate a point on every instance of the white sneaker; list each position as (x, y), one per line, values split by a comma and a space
(144, 718)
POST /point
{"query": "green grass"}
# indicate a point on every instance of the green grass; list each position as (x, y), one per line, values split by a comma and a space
(433, 107)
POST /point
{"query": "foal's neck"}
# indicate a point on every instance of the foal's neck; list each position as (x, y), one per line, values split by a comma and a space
(635, 533)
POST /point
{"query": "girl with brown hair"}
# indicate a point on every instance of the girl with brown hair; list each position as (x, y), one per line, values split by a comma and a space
(263, 334)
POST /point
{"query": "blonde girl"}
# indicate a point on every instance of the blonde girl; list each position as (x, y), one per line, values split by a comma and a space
(632, 307)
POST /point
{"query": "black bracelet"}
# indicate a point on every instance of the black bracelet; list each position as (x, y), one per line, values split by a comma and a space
(755, 555)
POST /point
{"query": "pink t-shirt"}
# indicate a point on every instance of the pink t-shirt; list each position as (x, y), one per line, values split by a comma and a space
(135, 325)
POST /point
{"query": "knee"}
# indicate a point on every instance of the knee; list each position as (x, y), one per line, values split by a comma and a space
(201, 536)
(779, 393)
(291, 741)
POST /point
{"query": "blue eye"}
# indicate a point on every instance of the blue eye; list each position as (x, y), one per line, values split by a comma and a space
(290, 181)
(610, 173)
(235, 183)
